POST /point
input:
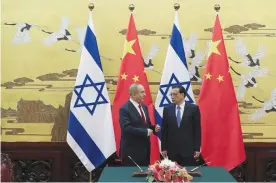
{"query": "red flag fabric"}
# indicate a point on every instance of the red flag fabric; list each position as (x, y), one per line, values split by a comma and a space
(132, 71)
(222, 141)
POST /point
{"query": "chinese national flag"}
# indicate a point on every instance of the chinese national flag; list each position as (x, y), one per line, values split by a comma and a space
(132, 71)
(222, 142)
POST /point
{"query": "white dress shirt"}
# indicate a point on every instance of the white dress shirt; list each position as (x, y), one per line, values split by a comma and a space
(137, 107)
(181, 109)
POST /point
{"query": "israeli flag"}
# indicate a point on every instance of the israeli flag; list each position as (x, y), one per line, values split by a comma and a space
(90, 127)
(175, 73)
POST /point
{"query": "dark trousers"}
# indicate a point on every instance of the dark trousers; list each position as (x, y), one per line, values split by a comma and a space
(184, 161)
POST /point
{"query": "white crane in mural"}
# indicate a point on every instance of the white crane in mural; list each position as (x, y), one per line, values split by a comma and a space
(268, 106)
(148, 59)
(22, 35)
(249, 80)
(196, 58)
(194, 66)
(189, 45)
(81, 34)
(247, 59)
(62, 34)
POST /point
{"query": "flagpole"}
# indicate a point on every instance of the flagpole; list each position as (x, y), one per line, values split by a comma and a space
(90, 176)
(90, 7)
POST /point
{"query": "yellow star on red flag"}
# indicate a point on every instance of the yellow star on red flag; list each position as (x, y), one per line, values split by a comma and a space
(128, 47)
(214, 47)
(124, 76)
(135, 78)
(220, 78)
(208, 76)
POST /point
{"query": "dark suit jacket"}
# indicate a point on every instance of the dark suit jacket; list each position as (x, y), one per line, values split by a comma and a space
(134, 140)
(183, 140)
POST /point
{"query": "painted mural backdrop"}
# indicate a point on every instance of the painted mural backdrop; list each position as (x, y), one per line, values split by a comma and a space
(41, 43)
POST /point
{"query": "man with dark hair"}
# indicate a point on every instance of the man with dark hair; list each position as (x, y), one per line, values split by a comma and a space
(136, 128)
(181, 131)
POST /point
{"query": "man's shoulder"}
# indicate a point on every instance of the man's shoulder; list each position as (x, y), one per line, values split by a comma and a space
(169, 106)
(194, 106)
(125, 105)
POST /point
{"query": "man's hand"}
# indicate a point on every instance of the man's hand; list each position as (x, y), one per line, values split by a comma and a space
(149, 132)
(164, 153)
(196, 154)
(157, 128)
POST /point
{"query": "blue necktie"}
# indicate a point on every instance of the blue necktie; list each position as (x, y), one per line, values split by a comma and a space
(178, 116)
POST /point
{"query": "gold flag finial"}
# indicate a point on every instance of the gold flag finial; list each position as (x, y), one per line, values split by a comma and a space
(176, 6)
(217, 7)
(131, 7)
(91, 6)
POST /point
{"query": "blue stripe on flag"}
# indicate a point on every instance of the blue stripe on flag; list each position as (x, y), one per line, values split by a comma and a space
(85, 142)
(177, 44)
(90, 43)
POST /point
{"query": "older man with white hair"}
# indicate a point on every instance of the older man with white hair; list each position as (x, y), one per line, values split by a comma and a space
(136, 128)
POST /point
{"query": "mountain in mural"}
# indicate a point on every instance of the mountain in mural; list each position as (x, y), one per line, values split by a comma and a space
(59, 129)
(8, 112)
(35, 111)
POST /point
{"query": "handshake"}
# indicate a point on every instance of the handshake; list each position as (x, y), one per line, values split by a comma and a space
(157, 129)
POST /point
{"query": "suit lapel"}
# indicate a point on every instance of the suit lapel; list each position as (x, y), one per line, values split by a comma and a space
(186, 111)
(133, 108)
(146, 113)
(174, 114)
(137, 114)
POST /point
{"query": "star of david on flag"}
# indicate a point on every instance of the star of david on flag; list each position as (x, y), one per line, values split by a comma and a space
(175, 73)
(90, 127)
(80, 91)
(165, 88)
